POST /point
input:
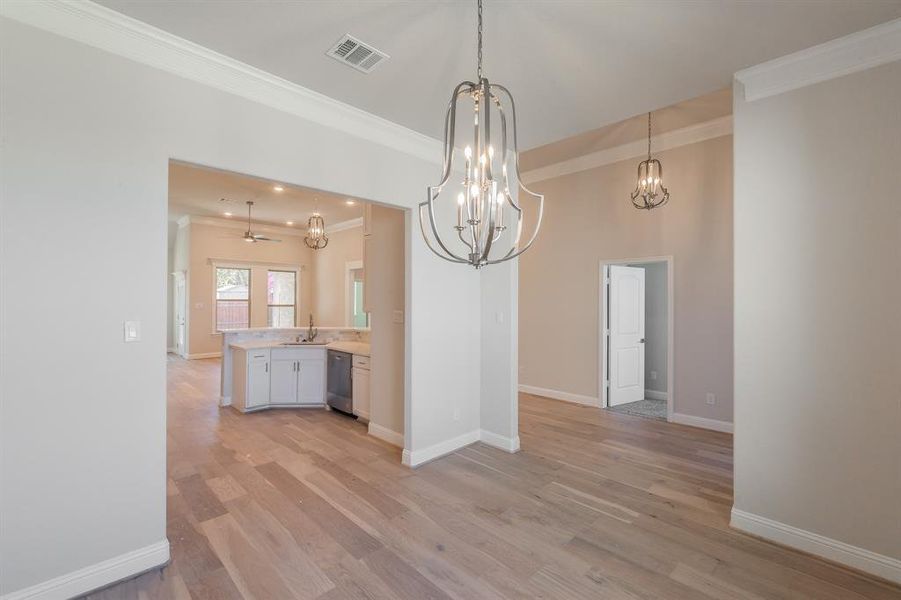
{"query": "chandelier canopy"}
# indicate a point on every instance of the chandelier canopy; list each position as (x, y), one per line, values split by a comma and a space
(316, 238)
(649, 191)
(482, 223)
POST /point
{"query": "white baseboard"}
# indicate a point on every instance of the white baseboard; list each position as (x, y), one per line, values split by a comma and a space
(204, 355)
(419, 457)
(502, 442)
(870, 562)
(96, 576)
(386, 435)
(225, 400)
(704, 423)
(655, 395)
(170, 350)
(558, 395)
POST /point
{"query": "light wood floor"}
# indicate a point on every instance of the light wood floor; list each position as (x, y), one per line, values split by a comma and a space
(303, 504)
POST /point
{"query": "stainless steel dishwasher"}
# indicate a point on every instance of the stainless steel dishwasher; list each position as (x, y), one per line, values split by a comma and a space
(340, 385)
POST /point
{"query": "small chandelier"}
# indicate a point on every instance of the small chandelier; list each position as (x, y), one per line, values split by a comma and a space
(649, 191)
(486, 203)
(316, 238)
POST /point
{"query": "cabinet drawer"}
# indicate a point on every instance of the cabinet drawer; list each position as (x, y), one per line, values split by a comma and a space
(261, 355)
(361, 362)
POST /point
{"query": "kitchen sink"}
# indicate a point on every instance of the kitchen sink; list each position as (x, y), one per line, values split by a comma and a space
(314, 343)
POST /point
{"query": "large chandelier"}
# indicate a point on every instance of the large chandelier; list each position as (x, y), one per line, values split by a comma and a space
(649, 191)
(483, 222)
(316, 238)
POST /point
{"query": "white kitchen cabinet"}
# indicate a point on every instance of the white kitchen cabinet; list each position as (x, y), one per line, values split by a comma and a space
(311, 382)
(283, 379)
(251, 379)
(298, 377)
(361, 394)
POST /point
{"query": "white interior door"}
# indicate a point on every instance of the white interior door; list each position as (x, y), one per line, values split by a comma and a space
(626, 342)
(179, 311)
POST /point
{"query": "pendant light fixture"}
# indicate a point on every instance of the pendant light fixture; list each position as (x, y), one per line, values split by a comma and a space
(468, 225)
(649, 191)
(316, 238)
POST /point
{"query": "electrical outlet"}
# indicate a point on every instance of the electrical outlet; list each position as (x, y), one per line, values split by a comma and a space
(398, 316)
(456, 414)
(653, 374)
(711, 398)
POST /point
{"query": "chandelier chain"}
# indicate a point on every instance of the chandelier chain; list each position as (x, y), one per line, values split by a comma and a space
(480, 40)
(649, 136)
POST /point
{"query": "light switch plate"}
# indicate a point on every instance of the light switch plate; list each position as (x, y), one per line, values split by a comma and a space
(132, 331)
(398, 316)
(711, 398)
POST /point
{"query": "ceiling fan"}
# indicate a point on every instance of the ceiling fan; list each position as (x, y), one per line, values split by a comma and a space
(249, 235)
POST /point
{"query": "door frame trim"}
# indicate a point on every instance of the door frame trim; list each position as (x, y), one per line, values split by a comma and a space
(670, 325)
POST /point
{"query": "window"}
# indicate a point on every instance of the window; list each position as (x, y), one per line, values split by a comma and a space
(232, 298)
(282, 294)
(356, 317)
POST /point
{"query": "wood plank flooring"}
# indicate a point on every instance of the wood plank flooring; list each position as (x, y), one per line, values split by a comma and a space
(303, 504)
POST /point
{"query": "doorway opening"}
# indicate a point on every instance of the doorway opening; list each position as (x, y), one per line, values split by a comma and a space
(272, 283)
(636, 336)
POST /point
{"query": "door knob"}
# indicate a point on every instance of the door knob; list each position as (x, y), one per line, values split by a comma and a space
(641, 341)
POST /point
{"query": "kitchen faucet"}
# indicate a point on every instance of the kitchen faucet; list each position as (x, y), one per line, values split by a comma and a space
(311, 333)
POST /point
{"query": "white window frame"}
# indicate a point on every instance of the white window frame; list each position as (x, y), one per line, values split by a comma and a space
(296, 273)
(215, 311)
(220, 263)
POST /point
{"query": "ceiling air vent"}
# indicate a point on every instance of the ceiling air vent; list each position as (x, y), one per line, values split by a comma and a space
(359, 55)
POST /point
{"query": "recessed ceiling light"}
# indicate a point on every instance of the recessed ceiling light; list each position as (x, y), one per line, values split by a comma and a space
(278, 188)
(349, 202)
(289, 222)
(228, 214)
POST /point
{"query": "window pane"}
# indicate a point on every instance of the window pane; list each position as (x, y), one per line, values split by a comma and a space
(361, 319)
(282, 289)
(232, 284)
(232, 314)
(281, 316)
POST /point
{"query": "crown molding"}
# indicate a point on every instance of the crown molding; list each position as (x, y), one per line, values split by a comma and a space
(344, 225)
(665, 141)
(106, 29)
(858, 51)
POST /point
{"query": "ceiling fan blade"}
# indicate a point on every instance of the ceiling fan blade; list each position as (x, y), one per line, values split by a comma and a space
(263, 238)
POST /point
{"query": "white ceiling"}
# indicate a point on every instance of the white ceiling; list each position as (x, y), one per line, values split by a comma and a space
(572, 65)
(204, 192)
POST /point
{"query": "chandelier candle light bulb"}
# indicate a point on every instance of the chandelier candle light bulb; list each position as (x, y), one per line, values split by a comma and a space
(484, 203)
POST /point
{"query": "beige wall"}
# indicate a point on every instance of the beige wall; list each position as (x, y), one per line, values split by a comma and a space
(385, 278)
(817, 317)
(589, 218)
(208, 242)
(329, 273)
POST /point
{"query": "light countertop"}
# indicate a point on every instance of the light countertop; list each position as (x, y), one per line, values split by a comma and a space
(359, 348)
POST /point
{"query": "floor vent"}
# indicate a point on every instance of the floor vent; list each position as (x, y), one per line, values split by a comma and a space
(359, 55)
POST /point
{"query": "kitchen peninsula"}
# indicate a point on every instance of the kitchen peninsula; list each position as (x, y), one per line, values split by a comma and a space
(274, 354)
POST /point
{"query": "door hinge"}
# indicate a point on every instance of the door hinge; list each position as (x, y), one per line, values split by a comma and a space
(607, 384)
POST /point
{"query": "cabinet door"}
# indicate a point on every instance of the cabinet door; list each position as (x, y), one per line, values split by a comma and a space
(257, 383)
(311, 388)
(283, 381)
(361, 392)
